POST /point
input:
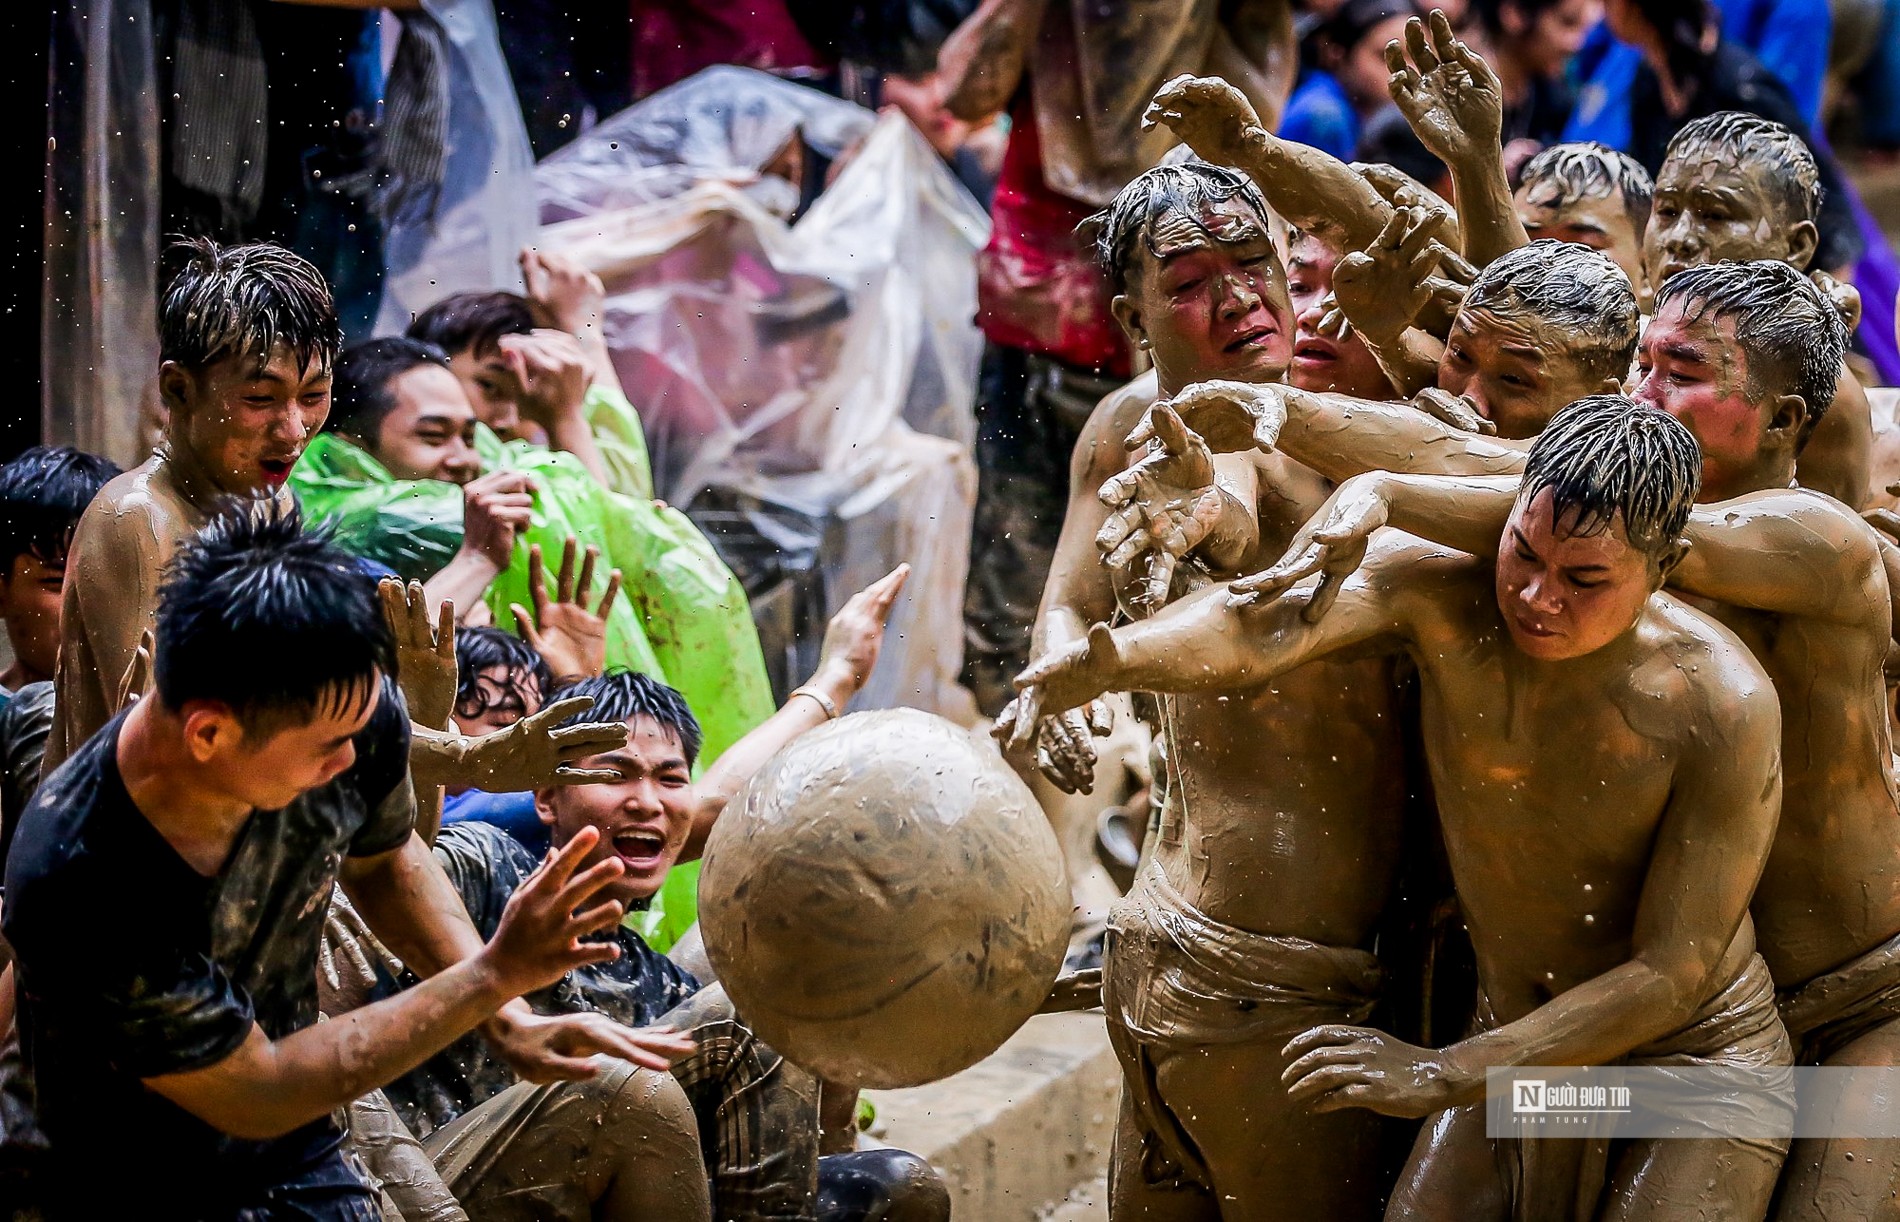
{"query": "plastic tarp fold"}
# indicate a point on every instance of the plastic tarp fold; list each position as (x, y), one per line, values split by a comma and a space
(486, 212)
(806, 390)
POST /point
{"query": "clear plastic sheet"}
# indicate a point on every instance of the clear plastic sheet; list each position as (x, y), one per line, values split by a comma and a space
(806, 390)
(724, 123)
(486, 212)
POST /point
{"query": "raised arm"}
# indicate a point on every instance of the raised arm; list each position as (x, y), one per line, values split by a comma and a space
(1308, 188)
(853, 640)
(1455, 104)
(1793, 552)
(1463, 512)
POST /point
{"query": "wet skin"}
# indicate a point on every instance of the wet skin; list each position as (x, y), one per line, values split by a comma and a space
(643, 818)
(1515, 370)
(1832, 887)
(1285, 808)
(1714, 209)
(1321, 362)
(237, 427)
(1599, 222)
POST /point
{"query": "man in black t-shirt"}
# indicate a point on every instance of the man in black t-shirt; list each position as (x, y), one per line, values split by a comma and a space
(167, 888)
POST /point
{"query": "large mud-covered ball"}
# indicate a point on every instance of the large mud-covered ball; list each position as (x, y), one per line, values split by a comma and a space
(885, 901)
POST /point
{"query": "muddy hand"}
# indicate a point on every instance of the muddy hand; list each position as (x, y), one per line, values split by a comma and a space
(425, 651)
(1210, 116)
(1449, 95)
(1333, 545)
(1455, 410)
(1231, 417)
(537, 751)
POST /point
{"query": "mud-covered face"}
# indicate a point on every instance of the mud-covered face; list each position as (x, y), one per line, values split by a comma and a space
(1517, 373)
(1209, 296)
(1697, 372)
(246, 421)
(1320, 362)
(1708, 208)
(430, 432)
(1599, 222)
(1564, 595)
(644, 818)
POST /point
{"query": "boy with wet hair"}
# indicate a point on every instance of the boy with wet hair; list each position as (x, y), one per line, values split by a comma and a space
(1276, 941)
(269, 764)
(1743, 354)
(1590, 194)
(757, 1114)
(247, 335)
(1542, 326)
(1740, 187)
(43, 493)
(1569, 716)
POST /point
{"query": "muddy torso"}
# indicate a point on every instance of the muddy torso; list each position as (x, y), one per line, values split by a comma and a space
(1831, 889)
(1551, 784)
(1285, 816)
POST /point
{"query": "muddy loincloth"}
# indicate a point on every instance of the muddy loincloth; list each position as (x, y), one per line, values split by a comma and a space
(1836, 1008)
(1556, 1180)
(1175, 979)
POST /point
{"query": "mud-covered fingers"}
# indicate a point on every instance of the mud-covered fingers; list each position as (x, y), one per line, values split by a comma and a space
(1117, 528)
(1324, 594)
(1418, 47)
(1119, 489)
(1160, 578)
(1099, 718)
(1023, 734)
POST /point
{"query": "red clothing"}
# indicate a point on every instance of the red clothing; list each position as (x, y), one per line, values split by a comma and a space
(672, 39)
(1038, 286)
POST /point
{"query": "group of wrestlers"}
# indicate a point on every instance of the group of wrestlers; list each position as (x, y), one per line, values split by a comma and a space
(1538, 561)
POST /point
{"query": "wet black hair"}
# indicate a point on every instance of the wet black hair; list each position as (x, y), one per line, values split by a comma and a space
(269, 619)
(1607, 455)
(43, 492)
(1572, 289)
(1741, 138)
(1188, 187)
(1583, 169)
(473, 322)
(226, 301)
(622, 695)
(1794, 337)
(479, 649)
(1684, 26)
(359, 392)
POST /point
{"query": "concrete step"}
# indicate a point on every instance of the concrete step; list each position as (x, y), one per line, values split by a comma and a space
(1086, 1203)
(1015, 1134)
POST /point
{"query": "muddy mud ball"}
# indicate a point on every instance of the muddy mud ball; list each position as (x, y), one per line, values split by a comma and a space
(885, 901)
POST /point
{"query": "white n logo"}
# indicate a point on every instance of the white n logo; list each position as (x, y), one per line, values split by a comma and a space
(1527, 1096)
